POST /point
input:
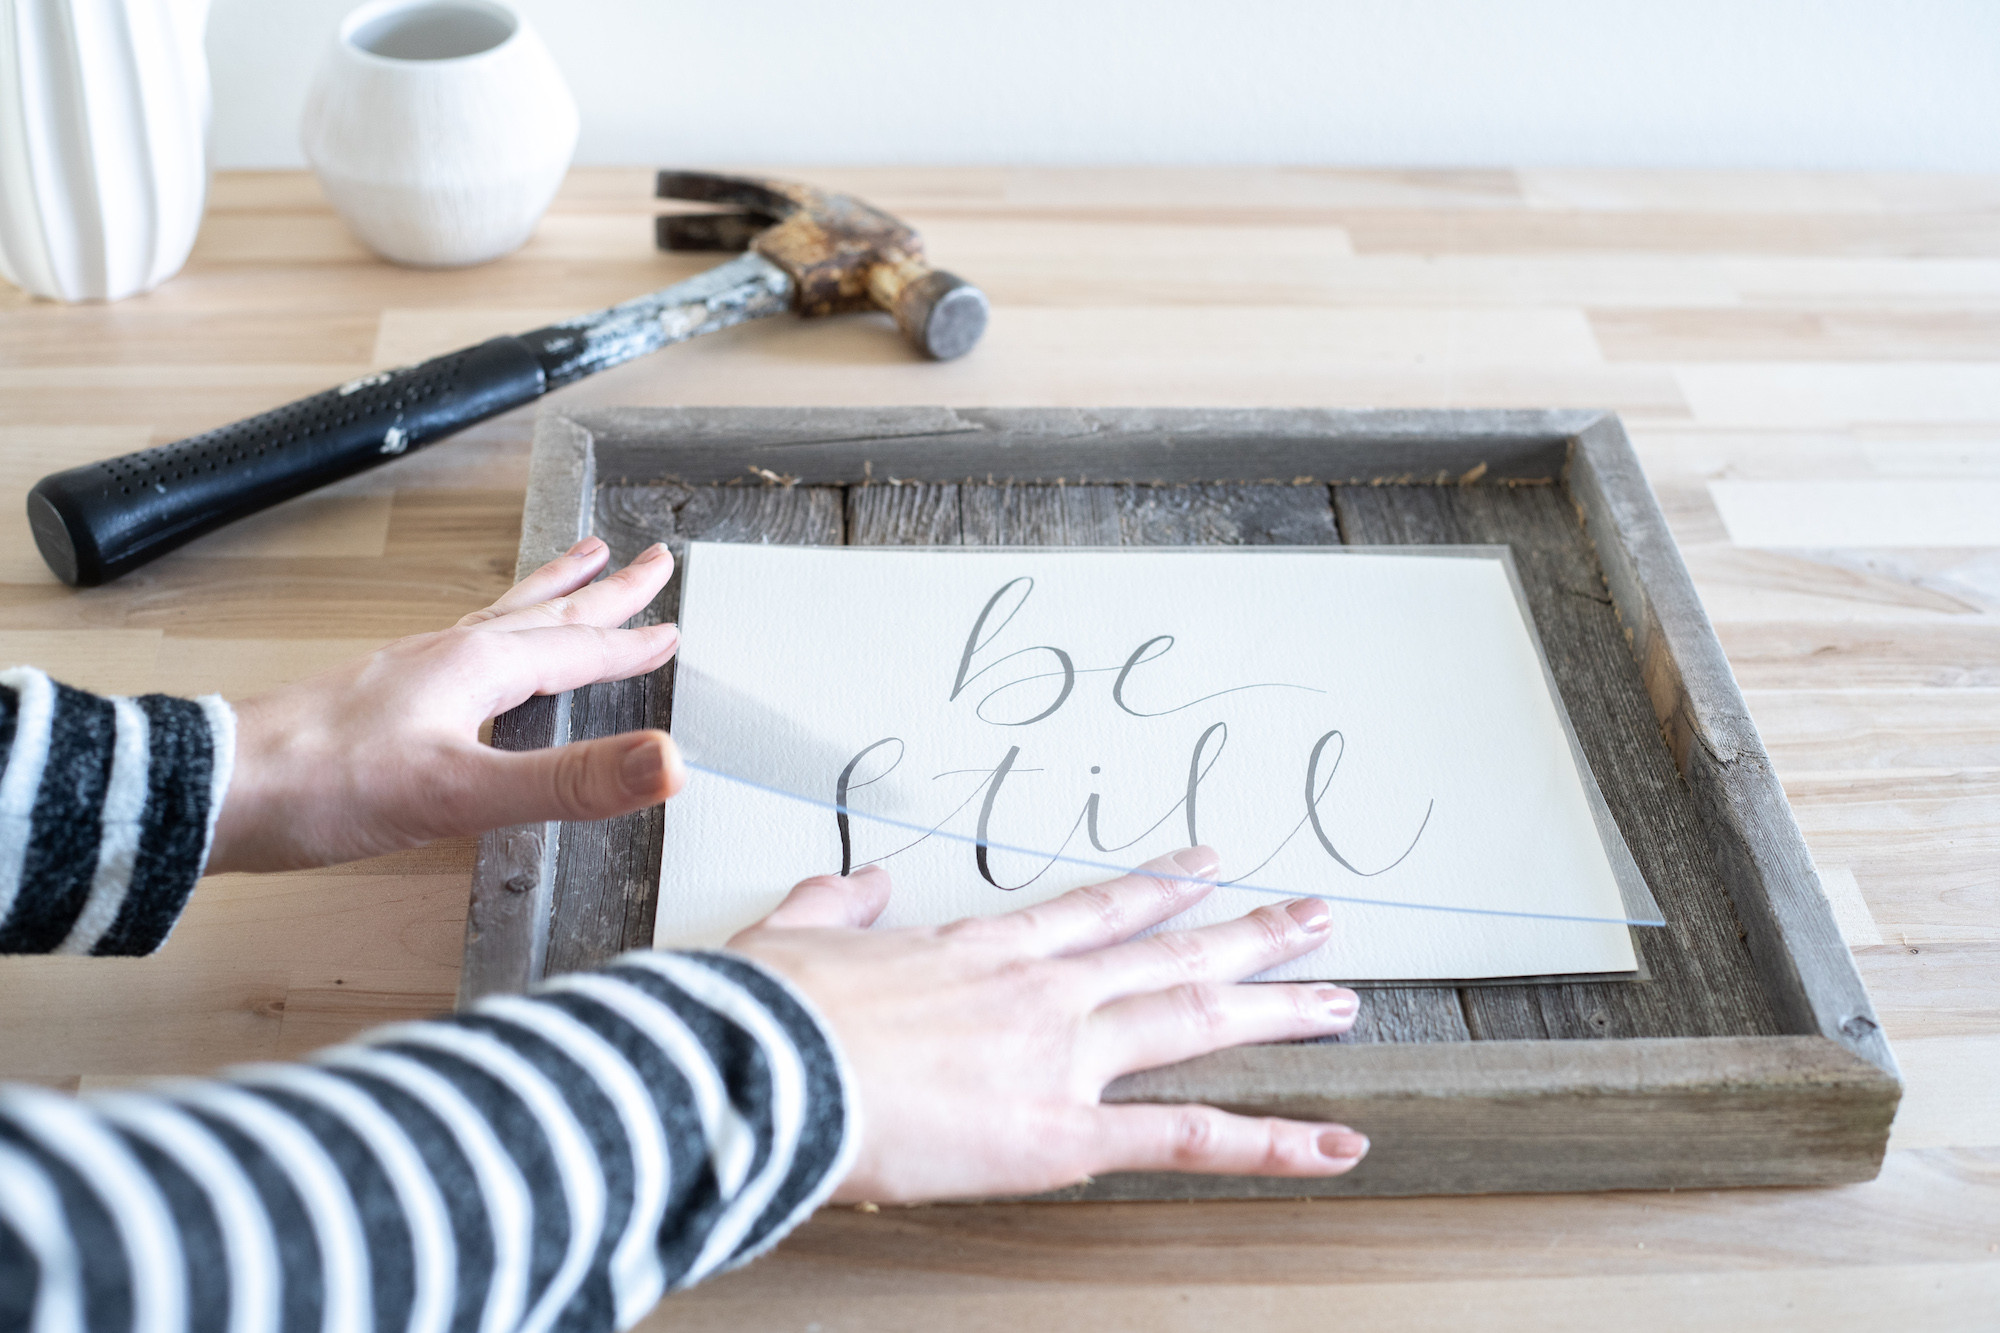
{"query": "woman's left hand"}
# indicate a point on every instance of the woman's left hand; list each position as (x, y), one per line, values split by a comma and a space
(978, 1052)
(383, 752)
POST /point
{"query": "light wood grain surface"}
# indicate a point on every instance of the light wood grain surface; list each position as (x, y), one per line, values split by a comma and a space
(1809, 367)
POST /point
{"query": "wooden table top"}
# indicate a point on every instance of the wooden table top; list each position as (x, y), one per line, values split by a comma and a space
(1810, 369)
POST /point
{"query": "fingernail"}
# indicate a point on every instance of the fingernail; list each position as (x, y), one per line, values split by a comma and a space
(1312, 915)
(677, 770)
(1200, 862)
(650, 554)
(643, 765)
(1340, 1002)
(584, 545)
(1342, 1145)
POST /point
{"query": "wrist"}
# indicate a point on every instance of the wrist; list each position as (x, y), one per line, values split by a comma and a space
(239, 841)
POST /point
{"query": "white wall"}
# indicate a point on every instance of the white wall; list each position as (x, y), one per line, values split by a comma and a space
(1821, 84)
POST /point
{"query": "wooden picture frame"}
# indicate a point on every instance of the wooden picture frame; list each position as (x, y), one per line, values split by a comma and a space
(1751, 1055)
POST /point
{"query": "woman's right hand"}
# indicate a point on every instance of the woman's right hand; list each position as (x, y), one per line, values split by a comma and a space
(979, 1050)
(382, 752)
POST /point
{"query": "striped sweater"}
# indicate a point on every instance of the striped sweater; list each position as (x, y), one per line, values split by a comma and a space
(557, 1162)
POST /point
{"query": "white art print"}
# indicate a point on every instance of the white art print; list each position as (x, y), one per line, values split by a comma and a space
(1375, 728)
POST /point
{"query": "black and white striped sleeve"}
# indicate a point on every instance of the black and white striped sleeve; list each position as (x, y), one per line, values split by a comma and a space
(552, 1162)
(107, 809)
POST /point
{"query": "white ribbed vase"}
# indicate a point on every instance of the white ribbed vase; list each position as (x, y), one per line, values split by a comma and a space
(440, 129)
(103, 143)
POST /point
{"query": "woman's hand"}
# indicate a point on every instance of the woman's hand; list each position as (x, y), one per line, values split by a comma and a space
(383, 753)
(979, 1049)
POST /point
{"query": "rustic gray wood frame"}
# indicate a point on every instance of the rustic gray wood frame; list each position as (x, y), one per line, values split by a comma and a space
(1806, 1099)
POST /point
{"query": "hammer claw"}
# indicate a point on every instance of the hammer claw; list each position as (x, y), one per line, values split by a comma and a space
(707, 187)
(709, 231)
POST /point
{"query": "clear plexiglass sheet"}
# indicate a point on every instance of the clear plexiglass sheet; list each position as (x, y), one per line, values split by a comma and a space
(1375, 727)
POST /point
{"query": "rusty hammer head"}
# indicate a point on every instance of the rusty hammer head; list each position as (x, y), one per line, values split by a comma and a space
(841, 254)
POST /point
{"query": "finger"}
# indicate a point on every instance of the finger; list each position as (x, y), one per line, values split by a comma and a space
(1101, 914)
(1226, 952)
(566, 657)
(587, 780)
(612, 600)
(562, 575)
(1147, 1031)
(1211, 1142)
(852, 901)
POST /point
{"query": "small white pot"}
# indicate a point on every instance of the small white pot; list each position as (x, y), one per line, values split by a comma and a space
(440, 129)
(103, 143)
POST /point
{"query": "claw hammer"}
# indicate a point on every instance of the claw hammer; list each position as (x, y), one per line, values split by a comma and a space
(805, 250)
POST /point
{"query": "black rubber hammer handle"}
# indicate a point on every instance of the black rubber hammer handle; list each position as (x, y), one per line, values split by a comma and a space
(98, 521)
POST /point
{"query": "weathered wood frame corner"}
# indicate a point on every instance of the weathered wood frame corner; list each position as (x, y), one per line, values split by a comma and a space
(1808, 1103)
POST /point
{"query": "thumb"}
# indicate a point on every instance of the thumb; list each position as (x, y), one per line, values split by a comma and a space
(586, 780)
(831, 901)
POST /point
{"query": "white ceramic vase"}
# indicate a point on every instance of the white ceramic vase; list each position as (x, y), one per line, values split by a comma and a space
(103, 143)
(440, 129)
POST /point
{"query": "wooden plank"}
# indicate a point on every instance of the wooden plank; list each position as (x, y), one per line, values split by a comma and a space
(1928, 1206)
(1190, 515)
(118, 335)
(562, 488)
(1876, 512)
(1063, 266)
(1406, 1013)
(276, 597)
(1803, 964)
(1703, 982)
(903, 516)
(1863, 590)
(1192, 357)
(833, 446)
(1822, 730)
(1496, 1116)
(1923, 845)
(1038, 515)
(1004, 1284)
(1545, 231)
(1226, 516)
(1840, 394)
(1782, 655)
(513, 876)
(1753, 333)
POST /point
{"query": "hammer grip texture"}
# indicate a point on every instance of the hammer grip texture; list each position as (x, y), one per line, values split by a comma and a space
(96, 522)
